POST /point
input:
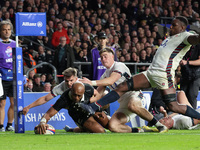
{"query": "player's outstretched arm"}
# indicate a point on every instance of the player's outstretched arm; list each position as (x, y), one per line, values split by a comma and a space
(41, 129)
(103, 82)
(39, 101)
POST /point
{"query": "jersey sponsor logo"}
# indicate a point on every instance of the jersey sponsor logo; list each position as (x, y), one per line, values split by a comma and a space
(9, 60)
(164, 43)
(9, 51)
(101, 67)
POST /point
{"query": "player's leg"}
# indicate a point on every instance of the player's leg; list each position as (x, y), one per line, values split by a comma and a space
(193, 92)
(10, 115)
(136, 82)
(182, 99)
(93, 126)
(2, 114)
(117, 123)
(135, 106)
(169, 97)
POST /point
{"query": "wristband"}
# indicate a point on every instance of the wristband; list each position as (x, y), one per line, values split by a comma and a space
(43, 120)
(94, 83)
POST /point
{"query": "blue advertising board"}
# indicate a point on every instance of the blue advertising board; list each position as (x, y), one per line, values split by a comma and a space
(30, 24)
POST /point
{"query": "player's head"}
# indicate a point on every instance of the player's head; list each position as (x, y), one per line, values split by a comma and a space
(70, 76)
(6, 28)
(179, 24)
(77, 91)
(107, 57)
(167, 121)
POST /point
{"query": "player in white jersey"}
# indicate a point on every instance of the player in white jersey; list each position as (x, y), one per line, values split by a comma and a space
(162, 70)
(131, 103)
(178, 121)
(70, 77)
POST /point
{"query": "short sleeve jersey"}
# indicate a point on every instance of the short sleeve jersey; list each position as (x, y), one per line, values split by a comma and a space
(120, 68)
(182, 122)
(59, 89)
(170, 53)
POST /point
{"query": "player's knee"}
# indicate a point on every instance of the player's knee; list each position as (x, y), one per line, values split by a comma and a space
(2, 104)
(169, 98)
(173, 106)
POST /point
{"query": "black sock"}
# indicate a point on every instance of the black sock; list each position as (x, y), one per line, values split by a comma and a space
(9, 124)
(135, 130)
(108, 98)
(153, 122)
(192, 113)
(1, 125)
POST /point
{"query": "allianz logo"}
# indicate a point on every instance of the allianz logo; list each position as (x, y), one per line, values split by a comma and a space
(31, 24)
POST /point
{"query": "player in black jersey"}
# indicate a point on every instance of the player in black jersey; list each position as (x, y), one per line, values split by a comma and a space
(71, 99)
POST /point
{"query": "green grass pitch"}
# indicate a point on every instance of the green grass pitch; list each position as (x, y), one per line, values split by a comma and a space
(173, 140)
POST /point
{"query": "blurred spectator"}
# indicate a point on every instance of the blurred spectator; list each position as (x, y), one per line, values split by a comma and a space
(64, 57)
(122, 59)
(43, 56)
(76, 26)
(43, 79)
(195, 7)
(47, 87)
(59, 33)
(28, 87)
(77, 47)
(143, 59)
(149, 54)
(37, 86)
(47, 42)
(38, 41)
(28, 60)
(128, 57)
(31, 74)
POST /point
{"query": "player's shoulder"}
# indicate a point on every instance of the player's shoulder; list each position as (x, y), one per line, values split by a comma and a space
(119, 65)
(88, 86)
(12, 41)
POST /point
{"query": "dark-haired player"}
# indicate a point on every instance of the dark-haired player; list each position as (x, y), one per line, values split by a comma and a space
(161, 72)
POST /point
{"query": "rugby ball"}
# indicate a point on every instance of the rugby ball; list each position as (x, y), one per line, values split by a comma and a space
(50, 130)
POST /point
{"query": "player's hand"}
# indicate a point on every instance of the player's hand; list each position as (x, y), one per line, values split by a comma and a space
(41, 129)
(99, 115)
(183, 62)
(25, 110)
(163, 111)
(85, 80)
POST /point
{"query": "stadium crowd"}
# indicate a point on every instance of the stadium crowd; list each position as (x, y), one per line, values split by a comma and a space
(131, 27)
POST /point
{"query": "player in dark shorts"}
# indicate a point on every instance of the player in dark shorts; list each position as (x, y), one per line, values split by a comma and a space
(72, 99)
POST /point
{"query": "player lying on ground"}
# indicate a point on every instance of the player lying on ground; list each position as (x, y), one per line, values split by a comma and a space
(71, 99)
(178, 121)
